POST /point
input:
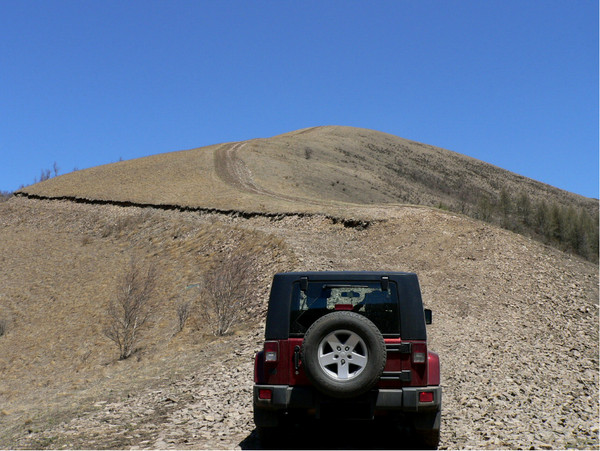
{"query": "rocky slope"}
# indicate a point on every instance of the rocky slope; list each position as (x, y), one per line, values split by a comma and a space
(515, 324)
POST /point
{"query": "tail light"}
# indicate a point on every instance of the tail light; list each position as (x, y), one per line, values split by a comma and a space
(271, 351)
(419, 353)
(426, 396)
(265, 393)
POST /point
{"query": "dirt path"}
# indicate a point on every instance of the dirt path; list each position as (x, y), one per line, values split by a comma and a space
(232, 170)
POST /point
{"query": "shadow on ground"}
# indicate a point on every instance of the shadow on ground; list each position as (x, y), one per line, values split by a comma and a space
(339, 435)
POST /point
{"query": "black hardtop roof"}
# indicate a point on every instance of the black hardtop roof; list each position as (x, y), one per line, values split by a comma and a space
(344, 275)
(411, 305)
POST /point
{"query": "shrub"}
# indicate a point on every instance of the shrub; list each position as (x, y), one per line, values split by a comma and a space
(225, 292)
(131, 308)
(45, 175)
(184, 309)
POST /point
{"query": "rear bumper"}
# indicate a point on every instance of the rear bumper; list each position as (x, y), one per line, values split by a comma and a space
(284, 397)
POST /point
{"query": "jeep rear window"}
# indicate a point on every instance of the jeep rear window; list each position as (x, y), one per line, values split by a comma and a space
(365, 298)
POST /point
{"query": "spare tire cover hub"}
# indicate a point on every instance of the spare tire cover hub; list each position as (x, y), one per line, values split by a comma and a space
(343, 355)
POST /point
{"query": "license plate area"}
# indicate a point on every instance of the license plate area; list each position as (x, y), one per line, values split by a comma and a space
(339, 410)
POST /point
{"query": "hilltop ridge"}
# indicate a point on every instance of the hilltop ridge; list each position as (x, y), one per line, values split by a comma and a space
(343, 172)
(318, 164)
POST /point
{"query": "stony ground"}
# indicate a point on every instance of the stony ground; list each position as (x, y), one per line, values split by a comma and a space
(515, 324)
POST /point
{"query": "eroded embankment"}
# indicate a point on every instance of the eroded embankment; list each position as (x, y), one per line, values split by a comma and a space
(346, 222)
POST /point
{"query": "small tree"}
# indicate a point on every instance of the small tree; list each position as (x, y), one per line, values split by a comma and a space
(484, 208)
(5, 195)
(505, 202)
(131, 308)
(225, 292)
(45, 175)
(524, 208)
(184, 309)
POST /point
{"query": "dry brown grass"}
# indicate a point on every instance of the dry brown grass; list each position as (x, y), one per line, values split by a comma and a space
(59, 270)
(335, 171)
(55, 363)
(345, 165)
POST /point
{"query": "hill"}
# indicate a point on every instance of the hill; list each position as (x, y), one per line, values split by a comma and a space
(334, 170)
(515, 321)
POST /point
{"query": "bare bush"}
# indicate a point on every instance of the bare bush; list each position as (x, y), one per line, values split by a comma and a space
(225, 292)
(5, 195)
(131, 308)
(45, 175)
(184, 309)
(3, 326)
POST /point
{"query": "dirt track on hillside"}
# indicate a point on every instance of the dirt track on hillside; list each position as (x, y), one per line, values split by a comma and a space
(230, 168)
(233, 171)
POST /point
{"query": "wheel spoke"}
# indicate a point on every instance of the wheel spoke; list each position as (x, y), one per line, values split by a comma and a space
(328, 359)
(333, 341)
(359, 360)
(352, 341)
(342, 371)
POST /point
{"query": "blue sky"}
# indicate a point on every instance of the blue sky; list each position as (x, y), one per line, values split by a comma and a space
(512, 83)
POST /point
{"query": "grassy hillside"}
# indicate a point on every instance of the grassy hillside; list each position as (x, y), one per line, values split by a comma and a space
(334, 170)
(60, 268)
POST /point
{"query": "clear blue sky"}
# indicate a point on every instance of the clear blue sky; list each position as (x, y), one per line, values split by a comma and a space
(512, 83)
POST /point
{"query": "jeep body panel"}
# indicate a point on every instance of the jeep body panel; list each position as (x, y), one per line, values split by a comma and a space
(398, 371)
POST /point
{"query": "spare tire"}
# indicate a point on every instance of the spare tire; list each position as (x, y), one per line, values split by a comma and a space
(343, 354)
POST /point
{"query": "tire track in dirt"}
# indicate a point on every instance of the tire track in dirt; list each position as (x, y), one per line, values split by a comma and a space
(232, 170)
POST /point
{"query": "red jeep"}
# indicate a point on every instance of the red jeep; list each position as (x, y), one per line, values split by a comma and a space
(349, 346)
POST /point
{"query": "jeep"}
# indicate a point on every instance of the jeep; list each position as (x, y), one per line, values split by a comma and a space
(347, 346)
